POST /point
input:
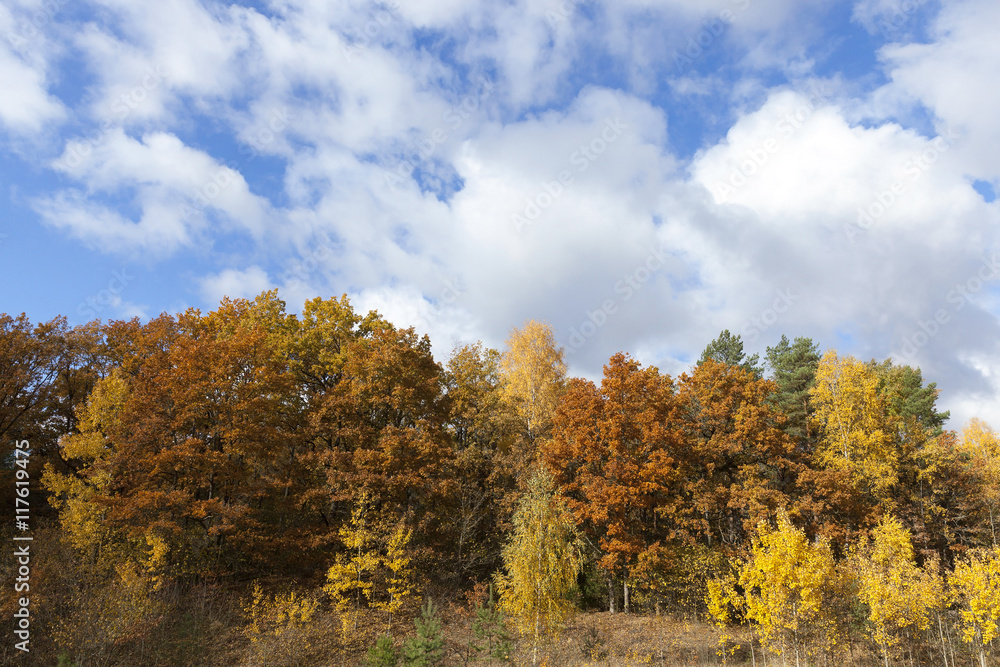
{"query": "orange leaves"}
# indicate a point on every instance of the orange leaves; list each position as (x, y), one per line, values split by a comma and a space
(611, 456)
(198, 443)
(642, 462)
(741, 466)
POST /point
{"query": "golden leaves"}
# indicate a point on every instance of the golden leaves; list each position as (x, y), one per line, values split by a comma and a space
(857, 428)
(898, 594)
(534, 373)
(541, 560)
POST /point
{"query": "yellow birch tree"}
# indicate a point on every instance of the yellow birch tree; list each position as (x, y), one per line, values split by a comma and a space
(534, 373)
(789, 584)
(375, 568)
(857, 430)
(974, 589)
(542, 560)
(899, 595)
(982, 445)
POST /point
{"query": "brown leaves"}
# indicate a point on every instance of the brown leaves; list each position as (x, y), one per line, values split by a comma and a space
(612, 456)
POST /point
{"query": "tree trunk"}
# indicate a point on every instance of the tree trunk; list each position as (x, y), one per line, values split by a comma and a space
(944, 649)
(611, 594)
(625, 597)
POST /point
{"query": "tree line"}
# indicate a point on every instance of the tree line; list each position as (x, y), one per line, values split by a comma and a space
(249, 442)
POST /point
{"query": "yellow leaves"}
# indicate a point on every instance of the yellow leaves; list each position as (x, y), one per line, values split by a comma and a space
(102, 411)
(858, 432)
(541, 560)
(277, 615)
(974, 588)
(980, 446)
(71, 494)
(979, 437)
(534, 373)
(80, 517)
(376, 566)
(722, 599)
(898, 594)
(400, 584)
(157, 553)
(788, 582)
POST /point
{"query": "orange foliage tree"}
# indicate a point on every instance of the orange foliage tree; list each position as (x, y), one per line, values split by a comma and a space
(611, 453)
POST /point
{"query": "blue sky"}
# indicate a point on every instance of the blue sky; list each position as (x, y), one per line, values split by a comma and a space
(639, 174)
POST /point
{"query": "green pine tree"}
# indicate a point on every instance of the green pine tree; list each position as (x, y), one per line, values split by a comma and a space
(492, 640)
(383, 653)
(728, 349)
(427, 648)
(904, 388)
(793, 368)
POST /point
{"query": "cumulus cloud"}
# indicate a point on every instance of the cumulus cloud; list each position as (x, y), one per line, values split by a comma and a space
(27, 106)
(950, 76)
(175, 187)
(235, 284)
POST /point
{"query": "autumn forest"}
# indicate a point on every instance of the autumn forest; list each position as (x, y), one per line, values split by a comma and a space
(250, 486)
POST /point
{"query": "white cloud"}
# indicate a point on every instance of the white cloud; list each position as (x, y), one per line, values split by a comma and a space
(157, 230)
(870, 225)
(146, 57)
(26, 106)
(234, 283)
(173, 185)
(951, 76)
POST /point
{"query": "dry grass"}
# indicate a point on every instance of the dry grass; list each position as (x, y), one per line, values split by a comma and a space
(593, 639)
(603, 639)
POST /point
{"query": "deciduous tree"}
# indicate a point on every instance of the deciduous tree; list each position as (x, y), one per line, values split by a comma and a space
(740, 467)
(541, 562)
(898, 595)
(790, 590)
(974, 588)
(534, 374)
(613, 456)
(858, 432)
